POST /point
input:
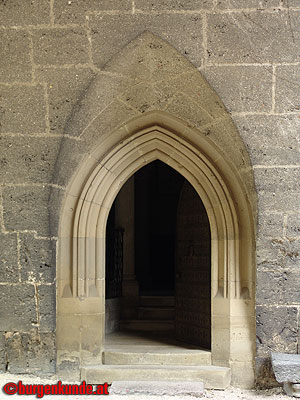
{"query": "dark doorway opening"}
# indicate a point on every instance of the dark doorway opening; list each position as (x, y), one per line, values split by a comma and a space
(171, 254)
(157, 190)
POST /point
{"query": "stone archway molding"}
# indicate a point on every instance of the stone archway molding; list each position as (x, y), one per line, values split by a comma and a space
(106, 159)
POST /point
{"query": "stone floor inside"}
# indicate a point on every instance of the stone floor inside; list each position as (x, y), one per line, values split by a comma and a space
(151, 347)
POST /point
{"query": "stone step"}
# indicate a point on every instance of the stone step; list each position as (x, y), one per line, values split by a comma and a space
(155, 355)
(166, 313)
(146, 325)
(157, 301)
(212, 376)
(160, 388)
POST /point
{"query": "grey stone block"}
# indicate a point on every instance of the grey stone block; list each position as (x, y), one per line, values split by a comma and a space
(55, 205)
(271, 139)
(287, 97)
(288, 252)
(286, 367)
(74, 12)
(270, 225)
(2, 353)
(252, 37)
(47, 311)
(37, 259)
(269, 287)
(242, 88)
(267, 252)
(178, 5)
(239, 4)
(158, 388)
(60, 46)
(283, 253)
(276, 329)
(184, 32)
(72, 152)
(277, 179)
(65, 88)
(15, 55)
(25, 12)
(280, 201)
(105, 88)
(291, 3)
(27, 160)
(26, 208)
(70, 155)
(8, 258)
(31, 352)
(17, 307)
(22, 109)
(293, 226)
(291, 282)
(69, 370)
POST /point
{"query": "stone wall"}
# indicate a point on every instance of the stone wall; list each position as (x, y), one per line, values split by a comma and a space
(249, 51)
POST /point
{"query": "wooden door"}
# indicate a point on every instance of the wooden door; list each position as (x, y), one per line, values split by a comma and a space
(193, 271)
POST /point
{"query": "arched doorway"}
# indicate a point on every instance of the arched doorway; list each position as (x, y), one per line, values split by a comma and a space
(159, 223)
(81, 301)
(158, 107)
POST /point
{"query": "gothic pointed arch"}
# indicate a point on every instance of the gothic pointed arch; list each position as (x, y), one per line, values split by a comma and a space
(150, 103)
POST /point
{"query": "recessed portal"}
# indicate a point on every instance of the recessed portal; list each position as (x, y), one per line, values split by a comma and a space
(158, 261)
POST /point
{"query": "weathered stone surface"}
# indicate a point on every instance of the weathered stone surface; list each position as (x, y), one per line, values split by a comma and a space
(174, 5)
(277, 179)
(185, 109)
(47, 311)
(281, 201)
(25, 12)
(278, 252)
(55, 201)
(67, 167)
(238, 4)
(37, 259)
(69, 370)
(271, 139)
(30, 352)
(286, 367)
(158, 388)
(22, 109)
(27, 160)
(8, 258)
(290, 3)
(14, 54)
(26, 208)
(267, 254)
(65, 87)
(19, 313)
(276, 287)
(171, 27)
(105, 89)
(60, 46)
(270, 225)
(269, 287)
(293, 226)
(75, 12)
(72, 152)
(287, 88)
(242, 88)
(290, 290)
(252, 37)
(2, 353)
(265, 377)
(276, 329)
